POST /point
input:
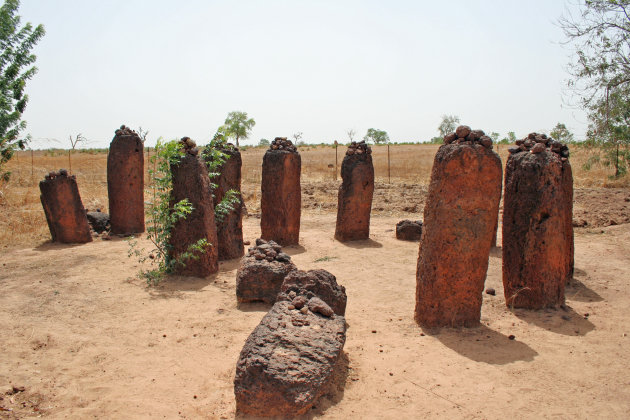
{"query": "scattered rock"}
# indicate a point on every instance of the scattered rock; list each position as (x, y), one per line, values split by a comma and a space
(491, 291)
(315, 283)
(409, 230)
(99, 221)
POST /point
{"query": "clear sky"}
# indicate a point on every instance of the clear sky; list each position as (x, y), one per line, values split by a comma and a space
(320, 67)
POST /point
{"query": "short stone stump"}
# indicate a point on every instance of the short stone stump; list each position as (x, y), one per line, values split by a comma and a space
(63, 208)
(409, 230)
(261, 272)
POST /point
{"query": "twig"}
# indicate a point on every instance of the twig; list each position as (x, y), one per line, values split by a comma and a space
(31, 336)
(438, 395)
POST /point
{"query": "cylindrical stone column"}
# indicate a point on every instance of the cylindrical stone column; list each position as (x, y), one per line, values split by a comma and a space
(125, 182)
(354, 203)
(281, 198)
(191, 181)
(64, 210)
(537, 224)
(459, 218)
(230, 229)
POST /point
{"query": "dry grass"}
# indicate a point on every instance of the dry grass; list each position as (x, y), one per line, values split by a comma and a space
(23, 223)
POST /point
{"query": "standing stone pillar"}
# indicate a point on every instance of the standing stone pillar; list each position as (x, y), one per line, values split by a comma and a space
(281, 200)
(64, 210)
(230, 228)
(191, 181)
(125, 182)
(459, 218)
(537, 223)
(354, 203)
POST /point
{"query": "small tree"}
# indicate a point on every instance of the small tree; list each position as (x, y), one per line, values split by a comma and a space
(264, 142)
(495, 136)
(510, 139)
(297, 137)
(238, 126)
(561, 133)
(376, 136)
(74, 142)
(351, 133)
(15, 69)
(448, 124)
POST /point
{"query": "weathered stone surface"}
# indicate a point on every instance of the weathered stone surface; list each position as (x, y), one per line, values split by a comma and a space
(191, 181)
(98, 220)
(125, 182)
(319, 283)
(354, 202)
(281, 199)
(459, 219)
(63, 208)
(262, 271)
(230, 229)
(409, 230)
(288, 360)
(537, 229)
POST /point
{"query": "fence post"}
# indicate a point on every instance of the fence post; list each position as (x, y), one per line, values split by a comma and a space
(389, 175)
(336, 144)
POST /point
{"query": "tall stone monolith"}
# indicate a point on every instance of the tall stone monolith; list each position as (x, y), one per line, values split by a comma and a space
(125, 182)
(459, 219)
(537, 223)
(230, 227)
(63, 208)
(191, 181)
(354, 202)
(281, 200)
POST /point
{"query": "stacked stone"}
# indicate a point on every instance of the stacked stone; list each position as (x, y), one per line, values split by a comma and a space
(281, 198)
(354, 200)
(262, 271)
(191, 181)
(125, 182)
(289, 359)
(459, 219)
(269, 251)
(465, 135)
(359, 148)
(537, 223)
(63, 208)
(537, 143)
(281, 143)
(230, 229)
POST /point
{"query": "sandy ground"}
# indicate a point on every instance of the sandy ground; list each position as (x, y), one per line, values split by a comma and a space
(87, 340)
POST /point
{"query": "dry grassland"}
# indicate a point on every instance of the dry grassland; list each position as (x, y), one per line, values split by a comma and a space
(23, 223)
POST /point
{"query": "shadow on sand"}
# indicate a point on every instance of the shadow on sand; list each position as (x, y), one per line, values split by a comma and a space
(576, 290)
(560, 321)
(482, 344)
(366, 243)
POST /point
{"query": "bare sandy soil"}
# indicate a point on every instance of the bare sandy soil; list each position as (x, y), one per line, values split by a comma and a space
(85, 339)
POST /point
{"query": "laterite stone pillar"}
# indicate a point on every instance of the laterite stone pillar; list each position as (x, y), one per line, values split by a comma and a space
(281, 200)
(355, 194)
(537, 224)
(459, 219)
(191, 181)
(230, 229)
(125, 182)
(64, 210)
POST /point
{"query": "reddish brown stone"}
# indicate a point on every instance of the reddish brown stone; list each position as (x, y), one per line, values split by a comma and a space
(289, 359)
(261, 273)
(125, 182)
(281, 199)
(567, 187)
(409, 230)
(537, 230)
(191, 181)
(318, 283)
(230, 229)
(459, 217)
(63, 208)
(354, 201)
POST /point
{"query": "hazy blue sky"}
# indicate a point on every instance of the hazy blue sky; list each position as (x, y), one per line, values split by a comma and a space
(321, 67)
